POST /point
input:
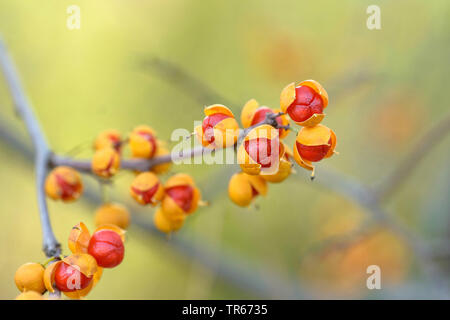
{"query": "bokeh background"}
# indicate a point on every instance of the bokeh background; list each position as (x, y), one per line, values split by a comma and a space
(151, 62)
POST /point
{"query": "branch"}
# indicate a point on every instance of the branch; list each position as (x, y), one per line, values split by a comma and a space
(51, 246)
(84, 165)
(420, 150)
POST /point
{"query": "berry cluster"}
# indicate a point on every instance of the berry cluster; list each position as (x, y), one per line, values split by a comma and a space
(74, 275)
(262, 155)
(178, 197)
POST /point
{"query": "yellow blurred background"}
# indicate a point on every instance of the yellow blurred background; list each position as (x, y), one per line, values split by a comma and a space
(386, 88)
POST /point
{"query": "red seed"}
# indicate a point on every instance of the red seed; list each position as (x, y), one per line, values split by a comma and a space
(148, 194)
(260, 150)
(307, 102)
(208, 125)
(67, 189)
(107, 248)
(182, 195)
(260, 116)
(68, 278)
(313, 153)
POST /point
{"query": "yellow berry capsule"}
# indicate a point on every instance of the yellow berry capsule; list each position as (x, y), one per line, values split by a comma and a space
(166, 224)
(182, 196)
(30, 295)
(314, 144)
(143, 143)
(63, 183)
(304, 103)
(243, 188)
(252, 114)
(146, 189)
(30, 277)
(79, 238)
(219, 128)
(284, 168)
(106, 162)
(261, 150)
(112, 213)
(108, 139)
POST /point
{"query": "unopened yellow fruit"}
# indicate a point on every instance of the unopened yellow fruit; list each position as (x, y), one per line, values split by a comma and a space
(30, 277)
(112, 213)
(167, 224)
(105, 162)
(30, 295)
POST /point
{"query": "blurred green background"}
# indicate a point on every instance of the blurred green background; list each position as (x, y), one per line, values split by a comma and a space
(386, 87)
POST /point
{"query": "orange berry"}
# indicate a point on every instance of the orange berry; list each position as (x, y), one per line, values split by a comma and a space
(63, 183)
(112, 213)
(284, 168)
(108, 139)
(219, 128)
(182, 196)
(260, 151)
(304, 103)
(106, 246)
(106, 162)
(243, 188)
(165, 223)
(314, 143)
(69, 278)
(143, 143)
(146, 189)
(30, 277)
(252, 114)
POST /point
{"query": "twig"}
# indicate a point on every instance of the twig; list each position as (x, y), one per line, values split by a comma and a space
(84, 165)
(386, 188)
(51, 246)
